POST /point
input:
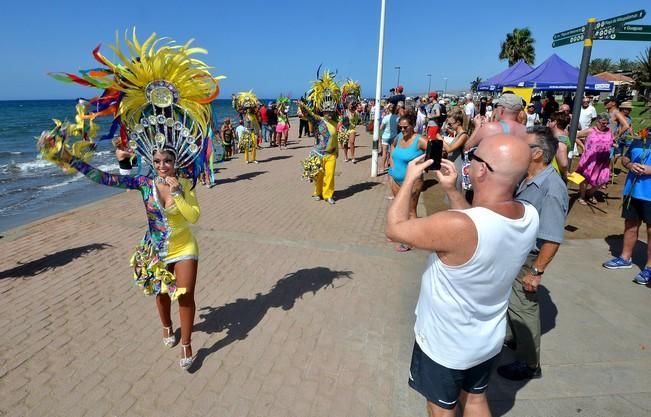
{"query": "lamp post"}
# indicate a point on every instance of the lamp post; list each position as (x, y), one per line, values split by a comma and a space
(398, 82)
(445, 89)
(378, 94)
(429, 82)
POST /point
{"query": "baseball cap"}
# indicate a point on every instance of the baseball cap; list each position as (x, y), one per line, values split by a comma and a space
(399, 88)
(511, 102)
(609, 98)
(434, 94)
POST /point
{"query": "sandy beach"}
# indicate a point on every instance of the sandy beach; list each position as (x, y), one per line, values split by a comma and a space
(303, 309)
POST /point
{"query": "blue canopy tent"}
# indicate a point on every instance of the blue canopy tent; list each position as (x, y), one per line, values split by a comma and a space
(556, 74)
(495, 83)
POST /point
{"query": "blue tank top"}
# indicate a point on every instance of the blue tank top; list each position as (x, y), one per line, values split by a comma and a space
(401, 157)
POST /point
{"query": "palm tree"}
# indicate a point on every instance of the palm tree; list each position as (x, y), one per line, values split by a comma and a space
(518, 45)
(474, 84)
(598, 65)
(625, 64)
(642, 73)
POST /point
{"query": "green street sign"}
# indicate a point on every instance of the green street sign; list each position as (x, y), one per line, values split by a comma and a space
(634, 28)
(620, 19)
(567, 41)
(604, 32)
(625, 36)
(569, 33)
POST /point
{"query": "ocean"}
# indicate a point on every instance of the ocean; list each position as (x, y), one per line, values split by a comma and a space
(31, 188)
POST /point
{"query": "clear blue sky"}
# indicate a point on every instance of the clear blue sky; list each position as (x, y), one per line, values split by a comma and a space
(275, 47)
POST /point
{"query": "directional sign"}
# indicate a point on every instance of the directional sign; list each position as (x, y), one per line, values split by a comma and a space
(635, 28)
(604, 32)
(619, 36)
(620, 19)
(567, 41)
(568, 33)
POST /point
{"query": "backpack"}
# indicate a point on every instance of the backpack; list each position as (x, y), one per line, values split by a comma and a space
(444, 115)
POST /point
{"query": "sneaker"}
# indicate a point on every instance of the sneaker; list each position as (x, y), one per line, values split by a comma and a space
(519, 371)
(644, 277)
(618, 263)
(316, 198)
(331, 201)
(255, 162)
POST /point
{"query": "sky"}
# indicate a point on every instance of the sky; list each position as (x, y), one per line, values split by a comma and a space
(276, 47)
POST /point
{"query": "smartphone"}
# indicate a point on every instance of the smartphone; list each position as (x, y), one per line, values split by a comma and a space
(435, 153)
(482, 108)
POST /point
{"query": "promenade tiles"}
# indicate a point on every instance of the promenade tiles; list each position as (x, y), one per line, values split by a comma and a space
(303, 309)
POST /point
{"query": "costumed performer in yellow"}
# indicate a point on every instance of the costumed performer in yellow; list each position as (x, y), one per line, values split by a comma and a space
(247, 106)
(324, 96)
(162, 109)
(351, 95)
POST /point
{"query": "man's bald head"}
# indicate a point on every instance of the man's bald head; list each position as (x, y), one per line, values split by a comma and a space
(508, 155)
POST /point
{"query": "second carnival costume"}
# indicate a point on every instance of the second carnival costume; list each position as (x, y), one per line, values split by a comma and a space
(160, 100)
(247, 105)
(320, 165)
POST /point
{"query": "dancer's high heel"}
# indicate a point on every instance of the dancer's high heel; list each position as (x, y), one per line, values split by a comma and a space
(170, 340)
(186, 361)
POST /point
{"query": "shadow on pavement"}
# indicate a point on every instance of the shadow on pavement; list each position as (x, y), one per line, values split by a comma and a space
(241, 177)
(51, 261)
(240, 317)
(502, 392)
(275, 158)
(354, 189)
(615, 243)
(362, 158)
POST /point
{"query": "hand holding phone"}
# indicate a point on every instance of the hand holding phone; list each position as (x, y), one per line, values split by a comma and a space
(435, 153)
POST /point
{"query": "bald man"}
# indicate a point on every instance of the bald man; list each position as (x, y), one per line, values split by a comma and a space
(461, 311)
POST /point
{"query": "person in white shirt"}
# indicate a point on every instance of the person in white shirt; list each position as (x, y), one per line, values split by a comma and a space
(469, 107)
(588, 114)
(239, 131)
(532, 116)
(476, 255)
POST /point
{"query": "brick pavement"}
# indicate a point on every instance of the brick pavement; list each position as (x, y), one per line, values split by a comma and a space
(303, 309)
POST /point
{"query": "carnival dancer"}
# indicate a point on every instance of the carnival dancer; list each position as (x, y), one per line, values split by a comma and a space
(351, 95)
(282, 128)
(324, 96)
(247, 105)
(163, 114)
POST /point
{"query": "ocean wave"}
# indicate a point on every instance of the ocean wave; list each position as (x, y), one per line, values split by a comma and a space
(70, 180)
(11, 153)
(37, 164)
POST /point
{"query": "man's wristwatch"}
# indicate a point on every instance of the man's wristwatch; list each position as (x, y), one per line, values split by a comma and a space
(535, 272)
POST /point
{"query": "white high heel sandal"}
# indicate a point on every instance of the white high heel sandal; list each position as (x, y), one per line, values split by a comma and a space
(186, 361)
(170, 340)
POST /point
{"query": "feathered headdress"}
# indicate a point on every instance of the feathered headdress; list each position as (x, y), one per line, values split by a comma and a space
(283, 103)
(246, 100)
(351, 91)
(325, 93)
(158, 94)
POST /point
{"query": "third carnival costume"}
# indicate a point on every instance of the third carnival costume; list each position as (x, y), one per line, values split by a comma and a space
(320, 165)
(160, 99)
(247, 106)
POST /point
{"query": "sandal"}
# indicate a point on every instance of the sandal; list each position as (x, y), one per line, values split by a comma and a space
(582, 202)
(402, 248)
(186, 361)
(170, 340)
(592, 200)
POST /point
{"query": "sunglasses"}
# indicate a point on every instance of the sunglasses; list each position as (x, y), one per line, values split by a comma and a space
(471, 156)
(403, 127)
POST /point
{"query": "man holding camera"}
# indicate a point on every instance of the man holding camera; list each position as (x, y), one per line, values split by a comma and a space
(461, 311)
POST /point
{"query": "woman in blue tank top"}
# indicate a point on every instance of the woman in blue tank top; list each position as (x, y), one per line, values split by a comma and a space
(408, 146)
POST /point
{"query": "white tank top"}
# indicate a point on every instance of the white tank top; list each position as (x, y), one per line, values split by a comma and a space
(461, 310)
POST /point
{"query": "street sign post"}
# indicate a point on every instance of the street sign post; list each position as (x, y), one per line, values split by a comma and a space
(608, 29)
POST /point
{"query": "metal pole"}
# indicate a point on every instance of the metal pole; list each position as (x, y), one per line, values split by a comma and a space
(378, 94)
(445, 90)
(429, 83)
(580, 88)
(398, 82)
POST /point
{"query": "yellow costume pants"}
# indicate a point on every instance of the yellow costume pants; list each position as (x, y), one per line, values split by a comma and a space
(325, 180)
(251, 148)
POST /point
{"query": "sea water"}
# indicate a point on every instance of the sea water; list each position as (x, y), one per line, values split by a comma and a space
(31, 188)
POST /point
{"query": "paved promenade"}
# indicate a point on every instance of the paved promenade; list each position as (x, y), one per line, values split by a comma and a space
(303, 309)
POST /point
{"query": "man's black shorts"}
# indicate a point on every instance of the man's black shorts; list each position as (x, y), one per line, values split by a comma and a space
(441, 385)
(637, 210)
